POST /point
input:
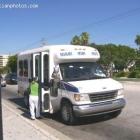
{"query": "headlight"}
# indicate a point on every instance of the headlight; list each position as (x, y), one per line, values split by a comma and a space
(120, 92)
(81, 97)
(77, 97)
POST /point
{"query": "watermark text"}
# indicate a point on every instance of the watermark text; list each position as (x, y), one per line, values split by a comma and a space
(18, 6)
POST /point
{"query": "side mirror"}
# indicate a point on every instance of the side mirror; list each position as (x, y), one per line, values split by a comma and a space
(55, 74)
(51, 82)
(54, 83)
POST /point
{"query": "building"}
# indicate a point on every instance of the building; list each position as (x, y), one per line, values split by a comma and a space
(3, 60)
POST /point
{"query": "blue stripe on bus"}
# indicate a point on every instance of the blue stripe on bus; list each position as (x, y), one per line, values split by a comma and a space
(68, 87)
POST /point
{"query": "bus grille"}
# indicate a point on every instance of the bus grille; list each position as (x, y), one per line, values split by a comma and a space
(102, 96)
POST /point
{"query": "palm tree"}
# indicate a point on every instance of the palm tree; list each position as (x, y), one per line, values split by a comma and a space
(84, 37)
(75, 40)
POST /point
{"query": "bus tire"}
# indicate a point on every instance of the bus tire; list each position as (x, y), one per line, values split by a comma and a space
(67, 114)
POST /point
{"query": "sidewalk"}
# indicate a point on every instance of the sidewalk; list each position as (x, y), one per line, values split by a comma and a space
(17, 127)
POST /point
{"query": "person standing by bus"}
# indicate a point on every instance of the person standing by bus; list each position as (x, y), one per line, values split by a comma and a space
(34, 99)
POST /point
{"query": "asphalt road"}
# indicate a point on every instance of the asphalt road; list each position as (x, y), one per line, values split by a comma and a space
(124, 127)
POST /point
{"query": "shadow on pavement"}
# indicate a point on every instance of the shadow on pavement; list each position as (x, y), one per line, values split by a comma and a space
(80, 121)
(93, 119)
(57, 117)
(17, 101)
(20, 105)
(26, 112)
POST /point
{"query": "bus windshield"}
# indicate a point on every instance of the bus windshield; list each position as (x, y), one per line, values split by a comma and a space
(77, 71)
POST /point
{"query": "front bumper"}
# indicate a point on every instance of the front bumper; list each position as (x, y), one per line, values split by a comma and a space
(98, 108)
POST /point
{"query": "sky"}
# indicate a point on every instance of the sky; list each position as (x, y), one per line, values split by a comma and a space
(57, 21)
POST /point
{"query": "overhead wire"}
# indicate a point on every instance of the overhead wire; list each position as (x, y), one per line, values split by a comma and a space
(99, 22)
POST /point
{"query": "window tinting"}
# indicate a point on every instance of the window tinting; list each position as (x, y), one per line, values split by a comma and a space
(46, 70)
(25, 68)
(81, 71)
(21, 68)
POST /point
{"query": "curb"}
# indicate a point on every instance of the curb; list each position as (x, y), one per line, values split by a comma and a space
(46, 130)
(130, 82)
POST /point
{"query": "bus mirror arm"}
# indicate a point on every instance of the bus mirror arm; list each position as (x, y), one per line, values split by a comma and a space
(51, 82)
(46, 86)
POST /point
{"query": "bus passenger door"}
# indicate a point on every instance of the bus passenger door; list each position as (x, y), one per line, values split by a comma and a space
(36, 66)
(45, 88)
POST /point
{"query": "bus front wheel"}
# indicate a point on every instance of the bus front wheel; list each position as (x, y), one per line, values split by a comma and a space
(67, 113)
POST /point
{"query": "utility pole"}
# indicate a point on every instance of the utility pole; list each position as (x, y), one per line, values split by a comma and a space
(1, 126)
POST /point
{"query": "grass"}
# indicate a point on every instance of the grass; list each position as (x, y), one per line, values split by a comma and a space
(127, 79)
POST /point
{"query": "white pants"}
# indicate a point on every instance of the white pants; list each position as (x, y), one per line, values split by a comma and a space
(34, 106)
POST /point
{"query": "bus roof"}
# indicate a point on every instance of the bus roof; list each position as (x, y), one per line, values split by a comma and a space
(53, 48)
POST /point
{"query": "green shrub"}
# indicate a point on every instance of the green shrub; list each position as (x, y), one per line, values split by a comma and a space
(121, 74)
(134, 74)
(138, 75)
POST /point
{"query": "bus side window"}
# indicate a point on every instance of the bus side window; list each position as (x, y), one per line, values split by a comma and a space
(31, 68)
(37, 67)
(20, 68)
(25, 68)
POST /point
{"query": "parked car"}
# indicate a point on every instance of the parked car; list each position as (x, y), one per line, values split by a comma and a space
(11, 78)
(3, 82)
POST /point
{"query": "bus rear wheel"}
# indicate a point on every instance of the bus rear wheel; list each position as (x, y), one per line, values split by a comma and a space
(26, 100)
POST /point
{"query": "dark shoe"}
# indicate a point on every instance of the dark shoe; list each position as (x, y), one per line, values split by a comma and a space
(39, 117)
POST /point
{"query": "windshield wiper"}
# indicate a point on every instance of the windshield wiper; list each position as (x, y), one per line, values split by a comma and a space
(96, 77)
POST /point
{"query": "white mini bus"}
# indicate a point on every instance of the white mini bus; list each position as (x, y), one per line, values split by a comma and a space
(71, 81)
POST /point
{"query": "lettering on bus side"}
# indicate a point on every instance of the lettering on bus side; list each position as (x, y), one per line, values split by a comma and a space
(81, 53)
(94, 53)
(65, 53)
